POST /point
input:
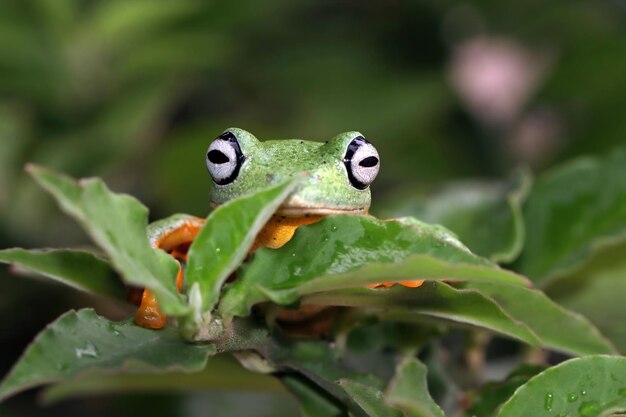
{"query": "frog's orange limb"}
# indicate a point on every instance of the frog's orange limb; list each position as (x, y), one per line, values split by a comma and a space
(148, 314)
(181, 235)
(410, 284)
(279, 230)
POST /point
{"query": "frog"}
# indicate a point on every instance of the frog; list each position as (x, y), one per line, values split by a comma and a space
(337, 178)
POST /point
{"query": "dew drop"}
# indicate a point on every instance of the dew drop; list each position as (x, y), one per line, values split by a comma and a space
(293, 254)
(89, 351)
(571, 397)
(547, 401)
(589, 408)
(218, 250)
(583, 392)
(333, 228)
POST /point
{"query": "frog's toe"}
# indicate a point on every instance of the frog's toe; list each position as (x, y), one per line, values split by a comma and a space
(410, 284)
(148, 315)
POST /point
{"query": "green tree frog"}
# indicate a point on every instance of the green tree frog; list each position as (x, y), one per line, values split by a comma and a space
(339, 173)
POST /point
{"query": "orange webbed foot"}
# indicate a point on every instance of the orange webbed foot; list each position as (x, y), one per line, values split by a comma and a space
(148, 314)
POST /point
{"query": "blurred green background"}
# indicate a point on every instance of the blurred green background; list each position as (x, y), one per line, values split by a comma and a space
(134, 91)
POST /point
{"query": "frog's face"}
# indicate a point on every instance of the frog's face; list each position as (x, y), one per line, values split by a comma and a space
(338, 172)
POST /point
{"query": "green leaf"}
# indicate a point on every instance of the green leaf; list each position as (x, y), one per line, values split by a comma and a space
(571, 211)
(591, 386)
(598, 291)
(313, 401)
(117, 223)
(557, 327)
(354, 251)
(221, 373)
(408, 391)
(79, 269)
(82, 341)
(486, 216)
(432, 299)
(226, 238)
(368, 398)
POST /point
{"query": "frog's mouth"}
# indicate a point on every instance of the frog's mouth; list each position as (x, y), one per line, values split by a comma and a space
(297, 207)
(296, 211)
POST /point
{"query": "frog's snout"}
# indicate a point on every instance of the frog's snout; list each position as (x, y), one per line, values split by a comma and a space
(274, 178)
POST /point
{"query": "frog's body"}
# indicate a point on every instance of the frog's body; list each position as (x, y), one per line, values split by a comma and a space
(338, 171)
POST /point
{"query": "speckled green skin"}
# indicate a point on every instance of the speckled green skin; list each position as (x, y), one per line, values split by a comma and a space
(326, 188)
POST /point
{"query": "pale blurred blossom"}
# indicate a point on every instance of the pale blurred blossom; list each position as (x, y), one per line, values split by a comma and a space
(495, 77)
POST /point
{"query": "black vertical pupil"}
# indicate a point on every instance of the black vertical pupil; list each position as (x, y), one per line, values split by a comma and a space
(368, 162)
(217, 157)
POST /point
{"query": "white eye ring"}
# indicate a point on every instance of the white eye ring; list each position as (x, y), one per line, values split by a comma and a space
(224, 159)
(362, 163)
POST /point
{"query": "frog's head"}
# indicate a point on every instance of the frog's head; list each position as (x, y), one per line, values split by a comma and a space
(338, 172)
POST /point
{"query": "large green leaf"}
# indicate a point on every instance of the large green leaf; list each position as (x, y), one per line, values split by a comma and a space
(79, 269)
(570, 212)
(408, 391)
(592, 386)
(486, 216)
(432, 299)
(117, 223)
(221, 373)
(82, 341)
(225, 241)
(557, 327)
(598, 291)
(353, 251)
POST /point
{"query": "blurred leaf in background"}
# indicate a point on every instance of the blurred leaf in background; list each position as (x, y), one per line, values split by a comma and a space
(135, 91)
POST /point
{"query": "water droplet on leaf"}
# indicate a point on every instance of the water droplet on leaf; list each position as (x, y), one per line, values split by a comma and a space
(547, 402)
(571, 397)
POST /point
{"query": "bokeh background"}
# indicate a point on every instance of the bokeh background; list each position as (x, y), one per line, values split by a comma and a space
(134, 91)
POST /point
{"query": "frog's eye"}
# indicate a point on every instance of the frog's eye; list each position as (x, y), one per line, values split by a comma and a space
(362, 163)
(224, 159)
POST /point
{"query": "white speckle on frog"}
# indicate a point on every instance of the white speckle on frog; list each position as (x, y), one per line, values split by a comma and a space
(88, 351)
